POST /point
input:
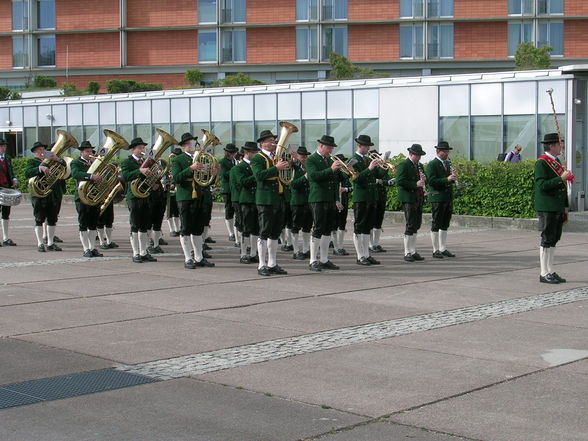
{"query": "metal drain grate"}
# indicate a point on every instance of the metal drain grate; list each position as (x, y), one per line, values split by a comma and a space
(67, 386)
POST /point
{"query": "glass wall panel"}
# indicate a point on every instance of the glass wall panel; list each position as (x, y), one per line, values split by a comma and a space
(206, 11)
(46, 51)
(161, 111)
(311, 131)
(486, 137)
(74, 114)
(207, 46)
(313, 105)
(520, 98)
(546, 124)
(126, 131)
(243, 108)
(520, 129)
(454, 100)
(265, 107)
(124, 112)
(261, 125)
(366, 103)
(486, 99)
(92, 134)
(143, 131)
(19, 52)
(222, 130)
(180, 110)
(221, 108)
(455, 130)
(339, 104)
(367, 126)
(30, 116)
(141, 112)
(342, 131)
(288, 106)
(197, 129)
(107, 114)
(200, 109)
(558, 94)
(179, 129)
(59, 115)
(19, 15)
(16, 116)
(46, 14)
(77, 132)
(243, 132)
(90, 114)
(45, 117)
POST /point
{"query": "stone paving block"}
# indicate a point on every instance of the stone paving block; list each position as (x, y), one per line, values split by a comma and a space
(20, 294)
(386, 431)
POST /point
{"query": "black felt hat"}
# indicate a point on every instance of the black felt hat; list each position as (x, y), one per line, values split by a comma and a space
(327, 140)
(443, 145)
(85, 145)
(342, 157)
(302, 151)
(416, 149)
(37, 145)
(231, 148)
(265, 134)
(135, 142)
(364, 140)
(177, 151)
(250, 146)
(551, 138)
(187, 137)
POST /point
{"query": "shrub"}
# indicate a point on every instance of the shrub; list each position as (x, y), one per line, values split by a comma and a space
(93, 87)
(7, 94)
(69, 89)
(42, 81)
(239, 79)
(129, 86)
(193, 77)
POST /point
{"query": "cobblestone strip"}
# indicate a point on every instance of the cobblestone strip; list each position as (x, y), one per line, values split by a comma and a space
(211, 361)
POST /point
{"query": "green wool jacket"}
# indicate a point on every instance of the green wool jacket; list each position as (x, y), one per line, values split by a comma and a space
(79, 172)
(130, 171)
(382, 189)
(322, 180)
(299, 187)
(550, 191)
(234, 184)
(246, 182)
(32, 170)
(268, 188)
(184, 178)
(344, 182)
(406, 180)
(364, 186)
(440, 188)
(225, 169)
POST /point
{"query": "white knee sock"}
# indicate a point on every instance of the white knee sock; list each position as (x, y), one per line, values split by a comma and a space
(272, 251)
(358, 243)
(230, 226)
(101, 236)
(296, 242)
(253, 245)
(305, 242)
(442, 240)
(186, 247)
(550, 257)
(39, 235)
(435, 240)
(205, 233)
(262, 252)
(92, 239)
(156, 236)
(543, 258)
(406, 244)
(314, 249)
(135, 243)
(366, 245)
(288, 236)
(50, 234)
(335, 240)
(197, 242)
(341, 238)
(413, 240)
(244, 243)
(176, 223)
(84, 240)
(143, 243)
(324, 248)
(376, 234)
(5, 229)
(108, 234)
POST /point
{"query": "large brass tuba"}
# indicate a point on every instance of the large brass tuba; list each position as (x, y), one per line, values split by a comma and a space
(40, 186)
(206, 176)
(93, 193)
(282, 154)
(142, 186)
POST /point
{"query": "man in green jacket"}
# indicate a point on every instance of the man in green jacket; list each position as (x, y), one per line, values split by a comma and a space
(44, 208)
(345, 189)
(324, 193)
(364, 200)
(410, 178)
(245, 182)
(189, 197)
(551, 202)
(269, 197)
(7, 180)
(301, 214)
(235, 191)
(87, 214)
(383, 181)
(440, 180)
(226, 164)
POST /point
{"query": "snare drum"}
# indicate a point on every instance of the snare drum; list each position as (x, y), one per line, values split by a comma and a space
(10, 196)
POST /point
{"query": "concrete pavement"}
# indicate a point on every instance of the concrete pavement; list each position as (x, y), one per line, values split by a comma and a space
(466, 348)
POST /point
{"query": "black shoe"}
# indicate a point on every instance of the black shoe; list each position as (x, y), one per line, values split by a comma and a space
(363, 261)
(162, 241)
(206, 247)
(8, 243)
(104, 246)
(408, 258)
(57, 239)
(190, 264)
(137, 259)
(245, 259)
(205, 263)
(343, 252)
(87, 253)
(155, 250)
(150, 244)
(232, 238)
(254, 259)
(112, 245)
(209, 240)
(558, 278)
(277, 270)
(148, 258)
(329, 265)
(41, 248)
(417, 257)
(96, 253)
(53, 248)
(315, 266)
(206, 255)
(448, 253)
(337, 252)
(299, 256)
(331, 244)
(548, 279)
(237, 245)
(174, 234)
(307, 254)
(379, 249)
(284, 248)
(438, 255)
(264, 271)
(373, 261)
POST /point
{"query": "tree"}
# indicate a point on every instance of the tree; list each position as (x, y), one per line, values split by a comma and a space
(193, 77)
(343, 69)
(529, 57)
(7, 94)
(239, 79)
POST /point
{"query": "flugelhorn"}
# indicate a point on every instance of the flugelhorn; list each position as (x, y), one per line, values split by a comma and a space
(346, 167)
(383, 161)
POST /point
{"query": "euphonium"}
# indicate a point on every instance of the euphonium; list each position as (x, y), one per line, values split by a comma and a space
(206, 176)
(93, 193)
(40, 186)
(142, 186)
(115, 196)
(281, 154)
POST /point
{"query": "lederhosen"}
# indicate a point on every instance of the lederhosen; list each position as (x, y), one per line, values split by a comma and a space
(139, 212)
(47, 208)
(87, 214)
(364, 212)
(551, 222)
(441, 212)
(301, 214)
(413, 211)
(341, 221)
(271, 217)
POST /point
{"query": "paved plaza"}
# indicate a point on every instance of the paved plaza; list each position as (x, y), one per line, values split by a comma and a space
(469, 348)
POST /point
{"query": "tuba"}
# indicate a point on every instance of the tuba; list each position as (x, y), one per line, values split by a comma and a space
(94, 193)
(115, 195)
(142, 186)
(285, 176)
(40, 186)
(206, 176)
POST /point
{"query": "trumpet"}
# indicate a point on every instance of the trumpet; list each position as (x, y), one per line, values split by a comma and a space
(383, 161)
(347, 167)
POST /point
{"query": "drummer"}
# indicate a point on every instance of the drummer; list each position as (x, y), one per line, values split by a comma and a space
(7, 180)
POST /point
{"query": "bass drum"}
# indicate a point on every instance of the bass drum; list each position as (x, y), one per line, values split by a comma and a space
(10, 196)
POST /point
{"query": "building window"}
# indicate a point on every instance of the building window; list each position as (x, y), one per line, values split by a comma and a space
(46, 51)
(550, 7)
(551, 34)
(234, 11)
(307, 44)
(306, 10)
(334, 9)
(19, 52)
(46, 14)
(334, 40)
(411, 41)
(206, 11)
(440, 41)
(20, 18)
(521, 7)
(412, 9)
(206, 46)
(234, 46)
(440, 8)
(519, 33)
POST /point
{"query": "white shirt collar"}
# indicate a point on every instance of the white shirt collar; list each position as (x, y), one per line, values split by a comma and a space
(267, 152)
(550, 155)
